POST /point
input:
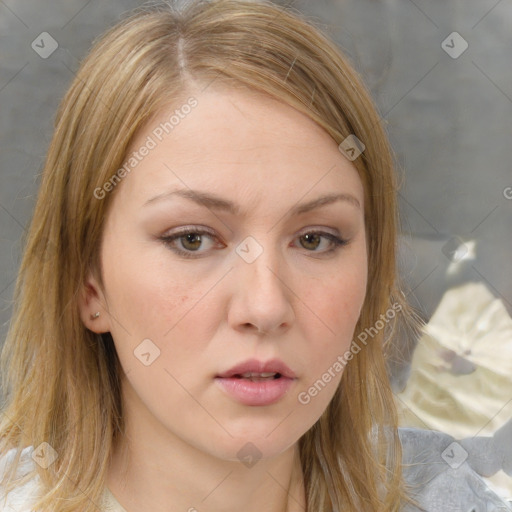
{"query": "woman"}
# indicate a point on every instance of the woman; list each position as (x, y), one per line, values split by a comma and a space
(208, 287)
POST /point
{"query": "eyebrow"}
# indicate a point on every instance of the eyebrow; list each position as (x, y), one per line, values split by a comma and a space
(218, 203)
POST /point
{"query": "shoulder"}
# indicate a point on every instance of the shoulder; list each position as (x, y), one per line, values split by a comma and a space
(22, 497)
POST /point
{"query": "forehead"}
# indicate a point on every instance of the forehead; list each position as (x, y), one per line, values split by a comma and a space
(237, 141)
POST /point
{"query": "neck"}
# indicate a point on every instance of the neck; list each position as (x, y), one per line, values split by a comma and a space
(153, 469)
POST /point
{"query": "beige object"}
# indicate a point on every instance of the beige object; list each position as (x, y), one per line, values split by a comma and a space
(461, 372)
(109, 503)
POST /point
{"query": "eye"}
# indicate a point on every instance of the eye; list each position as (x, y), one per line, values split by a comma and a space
(313, 239)
(191, 239)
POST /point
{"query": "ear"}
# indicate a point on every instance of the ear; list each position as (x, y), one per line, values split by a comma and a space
(91, 301)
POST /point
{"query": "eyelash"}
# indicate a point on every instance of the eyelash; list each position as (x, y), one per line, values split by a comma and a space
(169, 239)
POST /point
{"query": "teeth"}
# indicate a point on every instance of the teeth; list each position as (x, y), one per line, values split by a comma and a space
(252, 375)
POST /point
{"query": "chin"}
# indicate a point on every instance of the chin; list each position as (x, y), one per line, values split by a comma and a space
(249, 442)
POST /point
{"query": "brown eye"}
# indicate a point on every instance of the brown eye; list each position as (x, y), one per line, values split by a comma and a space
(191, 240)
(312, 240)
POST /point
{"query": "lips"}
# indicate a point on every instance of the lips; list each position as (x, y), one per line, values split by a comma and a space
(259, 370)
(255, 383)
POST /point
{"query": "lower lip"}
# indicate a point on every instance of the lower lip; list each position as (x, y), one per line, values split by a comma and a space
(248, 392)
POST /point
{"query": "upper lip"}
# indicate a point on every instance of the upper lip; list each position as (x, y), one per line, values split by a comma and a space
(255, 366)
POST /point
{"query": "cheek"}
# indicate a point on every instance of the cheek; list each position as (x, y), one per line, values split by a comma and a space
(329, 327)
(333, 310)
(337, 302)
(148, 301)
(143, 298)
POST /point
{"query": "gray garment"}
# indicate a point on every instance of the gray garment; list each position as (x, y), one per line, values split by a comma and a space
(445, 475)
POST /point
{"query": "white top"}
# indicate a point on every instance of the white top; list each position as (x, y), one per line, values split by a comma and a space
(110, 504)
(22, 497)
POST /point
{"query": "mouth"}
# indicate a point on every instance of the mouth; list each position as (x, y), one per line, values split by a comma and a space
(255, 389)
(255, 369)
(257, 383)
(258, 377)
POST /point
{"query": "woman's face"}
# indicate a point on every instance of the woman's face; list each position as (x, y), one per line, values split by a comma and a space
(253, 282)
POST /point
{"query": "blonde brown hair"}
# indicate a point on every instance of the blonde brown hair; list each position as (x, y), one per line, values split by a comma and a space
(60, 380)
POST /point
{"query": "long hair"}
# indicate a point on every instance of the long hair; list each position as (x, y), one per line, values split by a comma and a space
(61, 382)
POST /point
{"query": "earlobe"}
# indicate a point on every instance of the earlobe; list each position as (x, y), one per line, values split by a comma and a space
(92, 306)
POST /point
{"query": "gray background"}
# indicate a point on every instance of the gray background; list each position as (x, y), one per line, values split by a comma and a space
(449, 121)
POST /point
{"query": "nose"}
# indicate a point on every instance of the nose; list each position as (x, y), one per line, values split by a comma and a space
(263, 295)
